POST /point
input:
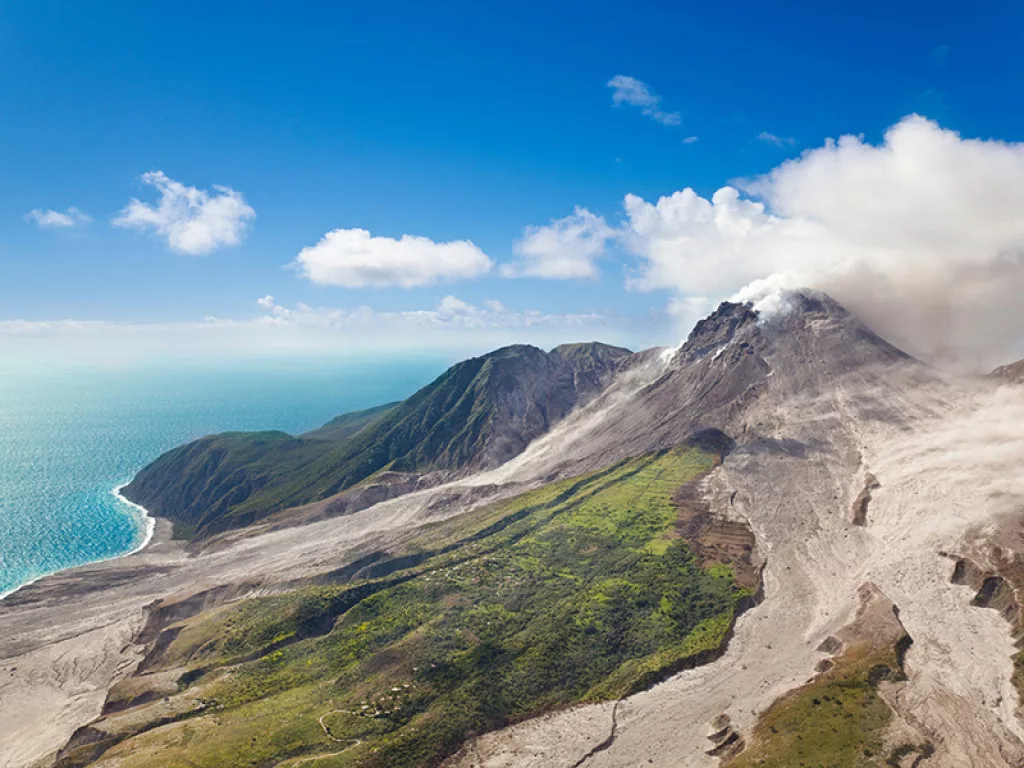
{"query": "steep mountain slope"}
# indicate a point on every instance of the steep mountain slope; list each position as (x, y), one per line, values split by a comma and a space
(1012, 373)
(733, 364)
(476, 415)
(857, 469)
(345, 426)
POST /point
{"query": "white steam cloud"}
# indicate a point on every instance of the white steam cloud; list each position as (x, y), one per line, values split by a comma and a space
(922, 235)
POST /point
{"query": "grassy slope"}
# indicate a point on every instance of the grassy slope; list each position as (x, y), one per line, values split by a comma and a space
(836, 721)
(348, 424)
(439, 426)
(566, 594)
(204, 480)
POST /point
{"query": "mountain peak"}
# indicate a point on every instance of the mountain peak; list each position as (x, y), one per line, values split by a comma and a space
(730, 318)
(800, 334)
(1011, 372)
(716, 330)
(812, 318)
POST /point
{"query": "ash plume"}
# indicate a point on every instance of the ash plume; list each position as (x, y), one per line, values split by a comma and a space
(921, 234)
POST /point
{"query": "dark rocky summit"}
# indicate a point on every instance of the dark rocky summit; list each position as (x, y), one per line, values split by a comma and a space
(1012, 373)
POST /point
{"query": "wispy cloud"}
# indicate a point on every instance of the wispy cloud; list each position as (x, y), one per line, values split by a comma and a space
(353, 258)
(192, 221)
(47, 218)
(450, 312)
(691, 139)
(636, 93)
(778, 141)
(451, 326)
(564, 249)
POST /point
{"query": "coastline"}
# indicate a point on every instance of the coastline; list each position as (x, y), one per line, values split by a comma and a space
(148, 520)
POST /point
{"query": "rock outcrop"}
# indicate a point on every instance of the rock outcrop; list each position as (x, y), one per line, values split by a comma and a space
(1011, 373)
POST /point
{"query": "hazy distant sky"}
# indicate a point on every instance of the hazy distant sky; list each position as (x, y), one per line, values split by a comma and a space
(387, 173)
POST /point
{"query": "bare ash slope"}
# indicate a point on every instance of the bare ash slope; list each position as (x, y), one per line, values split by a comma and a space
(814, 401)
(822, 410)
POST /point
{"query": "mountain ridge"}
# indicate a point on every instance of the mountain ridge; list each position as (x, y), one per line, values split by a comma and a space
(477, 414)
(351, 423)
(1012, 373)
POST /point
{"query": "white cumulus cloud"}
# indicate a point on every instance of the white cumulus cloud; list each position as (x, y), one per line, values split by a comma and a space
(636, 93)
(921, 234)
(353, 258)
(47, 218)
(193, 221)
(701, 246)
(564, 249)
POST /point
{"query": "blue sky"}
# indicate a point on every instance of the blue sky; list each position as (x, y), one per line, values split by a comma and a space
(451, 122)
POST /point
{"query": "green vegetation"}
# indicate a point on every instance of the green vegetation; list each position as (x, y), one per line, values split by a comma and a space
(232, 480)
(898, 754)
(345, 426)
(836, 721)
(562, 595)
(203, 482)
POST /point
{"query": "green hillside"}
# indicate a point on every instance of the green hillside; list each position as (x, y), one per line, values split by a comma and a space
(480, 411)
(348, 424)
(579, 591)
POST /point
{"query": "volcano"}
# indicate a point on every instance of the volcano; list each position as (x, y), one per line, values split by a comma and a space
(785, 542)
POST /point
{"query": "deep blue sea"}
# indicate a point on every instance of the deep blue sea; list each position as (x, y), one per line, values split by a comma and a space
(69, 438)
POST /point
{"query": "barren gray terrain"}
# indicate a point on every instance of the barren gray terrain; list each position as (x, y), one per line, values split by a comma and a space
(857, 468)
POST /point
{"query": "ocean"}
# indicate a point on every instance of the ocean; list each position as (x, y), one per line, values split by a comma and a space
(68, 439)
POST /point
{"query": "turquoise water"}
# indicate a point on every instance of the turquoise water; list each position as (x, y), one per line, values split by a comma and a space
(68, 439)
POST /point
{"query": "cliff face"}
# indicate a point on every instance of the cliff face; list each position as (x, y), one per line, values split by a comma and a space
(476, 415)
(1012, 373)
(518, 394)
